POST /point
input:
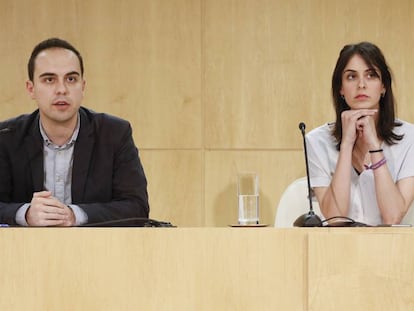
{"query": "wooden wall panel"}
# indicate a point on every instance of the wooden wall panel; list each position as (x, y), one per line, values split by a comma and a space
(144, 65)
(259, 75)
(275, 170)
(175, 185)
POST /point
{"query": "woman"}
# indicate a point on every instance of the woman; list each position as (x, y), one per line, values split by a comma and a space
(362, 166)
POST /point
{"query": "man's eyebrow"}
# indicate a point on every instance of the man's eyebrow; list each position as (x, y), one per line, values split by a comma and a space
(48, 74)
(72, 73)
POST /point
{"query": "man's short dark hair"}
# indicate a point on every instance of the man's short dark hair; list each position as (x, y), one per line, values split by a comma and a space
(49, 44)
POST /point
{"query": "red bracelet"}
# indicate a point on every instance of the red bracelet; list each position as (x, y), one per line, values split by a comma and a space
(376, 165)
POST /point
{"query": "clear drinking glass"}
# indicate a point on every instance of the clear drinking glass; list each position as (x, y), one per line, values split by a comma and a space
(248, 195)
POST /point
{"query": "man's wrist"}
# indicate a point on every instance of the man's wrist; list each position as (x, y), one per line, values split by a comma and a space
(21, 215)
(79, 214)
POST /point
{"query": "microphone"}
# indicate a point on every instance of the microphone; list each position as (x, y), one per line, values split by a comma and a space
(310, 219)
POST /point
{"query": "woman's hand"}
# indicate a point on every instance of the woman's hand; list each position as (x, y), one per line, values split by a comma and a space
(367, 132)
(359, 124)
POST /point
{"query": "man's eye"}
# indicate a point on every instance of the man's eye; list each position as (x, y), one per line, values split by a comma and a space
(71, 79)
(49, 79)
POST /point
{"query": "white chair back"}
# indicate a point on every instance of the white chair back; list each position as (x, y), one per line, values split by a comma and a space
(293, 203)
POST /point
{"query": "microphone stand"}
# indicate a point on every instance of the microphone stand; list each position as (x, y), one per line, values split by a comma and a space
(310, 219)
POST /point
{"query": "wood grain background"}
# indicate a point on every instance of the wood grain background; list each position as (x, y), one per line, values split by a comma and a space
(211, 87)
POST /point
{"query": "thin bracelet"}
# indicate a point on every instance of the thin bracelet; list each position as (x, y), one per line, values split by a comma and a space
(377, 150)
(376, 165)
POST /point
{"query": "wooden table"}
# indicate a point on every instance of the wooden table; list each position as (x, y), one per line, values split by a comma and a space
(206, 269)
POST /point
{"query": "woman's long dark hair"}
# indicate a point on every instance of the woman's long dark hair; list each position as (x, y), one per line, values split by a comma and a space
(374, 58)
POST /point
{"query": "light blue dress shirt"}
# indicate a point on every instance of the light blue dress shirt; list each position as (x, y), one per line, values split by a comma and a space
(58, 163)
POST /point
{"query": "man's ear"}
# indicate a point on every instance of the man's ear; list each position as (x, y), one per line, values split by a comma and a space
(30, 88)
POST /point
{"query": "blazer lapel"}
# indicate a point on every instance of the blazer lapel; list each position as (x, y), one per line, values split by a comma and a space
(34, 147)
(82, 155)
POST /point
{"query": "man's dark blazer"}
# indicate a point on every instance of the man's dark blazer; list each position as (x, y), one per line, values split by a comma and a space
(108, 181)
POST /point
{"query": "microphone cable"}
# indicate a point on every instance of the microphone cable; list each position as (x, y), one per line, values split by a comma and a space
(130, 222)
(344, 222)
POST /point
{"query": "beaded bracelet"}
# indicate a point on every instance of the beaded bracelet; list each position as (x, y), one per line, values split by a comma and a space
(377, 150)
(376, 165)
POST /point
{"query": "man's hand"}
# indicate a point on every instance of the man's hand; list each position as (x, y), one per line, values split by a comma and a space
(45, 210)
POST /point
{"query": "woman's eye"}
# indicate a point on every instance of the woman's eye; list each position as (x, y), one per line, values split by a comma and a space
(372, 75)
(350, 76)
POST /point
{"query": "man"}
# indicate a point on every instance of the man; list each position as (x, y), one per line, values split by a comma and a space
(65, 165)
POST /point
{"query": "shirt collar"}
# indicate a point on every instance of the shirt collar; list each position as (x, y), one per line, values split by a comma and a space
(71, 141)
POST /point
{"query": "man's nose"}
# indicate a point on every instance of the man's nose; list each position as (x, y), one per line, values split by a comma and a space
(61, 87)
